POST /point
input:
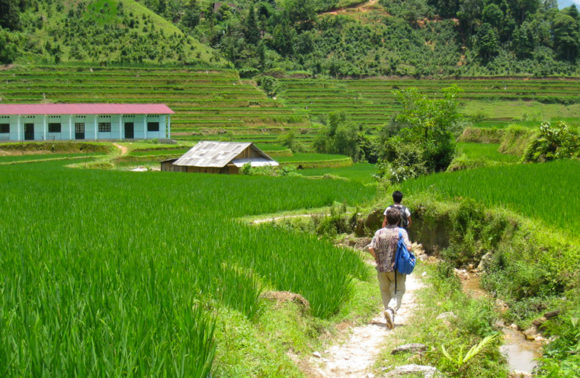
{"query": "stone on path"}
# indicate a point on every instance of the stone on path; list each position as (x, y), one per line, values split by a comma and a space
(446, 316)
(411, 348)
(427, 371)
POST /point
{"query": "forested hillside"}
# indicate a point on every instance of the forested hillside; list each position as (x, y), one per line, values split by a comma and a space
(100, 31)
(340, 38)
(386, 37)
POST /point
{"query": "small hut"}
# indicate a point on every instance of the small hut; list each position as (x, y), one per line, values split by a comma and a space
(219, 157)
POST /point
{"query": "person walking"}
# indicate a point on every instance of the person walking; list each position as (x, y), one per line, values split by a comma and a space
(383, 248)
(405, 212)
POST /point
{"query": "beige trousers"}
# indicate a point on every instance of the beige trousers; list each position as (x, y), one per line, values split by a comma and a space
(387, 286)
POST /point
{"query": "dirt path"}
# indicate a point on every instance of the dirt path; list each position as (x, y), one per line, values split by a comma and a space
(123, 149)
(358, 348)
(274, 219)
(357, 353)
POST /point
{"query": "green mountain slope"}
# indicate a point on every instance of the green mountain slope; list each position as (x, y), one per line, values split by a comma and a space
(353, 38)
(208, 103)
(103, 31)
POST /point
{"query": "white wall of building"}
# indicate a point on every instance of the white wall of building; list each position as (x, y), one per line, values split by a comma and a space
(91, 126)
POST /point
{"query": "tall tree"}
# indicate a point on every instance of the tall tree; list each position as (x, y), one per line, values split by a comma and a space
(252, 31)
(486, 42)
(191, 16)
(8, 46)
(566, 37)
(9, 14)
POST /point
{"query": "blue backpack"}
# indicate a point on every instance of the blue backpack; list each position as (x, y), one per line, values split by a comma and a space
(404, 259)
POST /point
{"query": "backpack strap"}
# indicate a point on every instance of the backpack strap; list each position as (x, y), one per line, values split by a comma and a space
(400, 236)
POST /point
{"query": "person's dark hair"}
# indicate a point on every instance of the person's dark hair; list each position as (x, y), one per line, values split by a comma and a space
(393, 216)
(397, 196)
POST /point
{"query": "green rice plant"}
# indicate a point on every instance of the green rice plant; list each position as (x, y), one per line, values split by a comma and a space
(39, 157)
(118, 273)
(358, 172)
(546, 192)
(486, 151)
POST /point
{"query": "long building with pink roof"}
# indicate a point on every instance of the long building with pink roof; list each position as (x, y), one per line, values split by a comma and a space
(24, 122)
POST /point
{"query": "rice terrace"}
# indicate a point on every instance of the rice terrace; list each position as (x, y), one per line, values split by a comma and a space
(117, 261)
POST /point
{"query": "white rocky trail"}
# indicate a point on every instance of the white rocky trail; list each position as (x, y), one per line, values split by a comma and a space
(357, 353)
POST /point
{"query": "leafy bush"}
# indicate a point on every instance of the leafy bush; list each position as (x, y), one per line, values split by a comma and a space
(553, 142)
(269, 84)
(403, 161)
(343, 137)
(425, 142)
(562, 356)
(289, 140)
(285, 170)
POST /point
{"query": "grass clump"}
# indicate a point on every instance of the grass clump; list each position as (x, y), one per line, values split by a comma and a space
(516, 139)
(562, 356)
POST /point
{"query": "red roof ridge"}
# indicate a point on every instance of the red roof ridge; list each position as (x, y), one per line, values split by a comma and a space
(83, 108)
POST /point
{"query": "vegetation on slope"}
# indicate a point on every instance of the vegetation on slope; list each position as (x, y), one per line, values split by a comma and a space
(531, 265)
(98, 31)
(213, 104)
(424, 37)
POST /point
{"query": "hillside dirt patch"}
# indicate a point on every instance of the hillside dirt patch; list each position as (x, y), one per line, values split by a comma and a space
(365, 7)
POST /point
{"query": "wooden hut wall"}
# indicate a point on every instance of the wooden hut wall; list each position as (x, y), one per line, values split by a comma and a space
(248, 153)
(167, 166)
(203, 170)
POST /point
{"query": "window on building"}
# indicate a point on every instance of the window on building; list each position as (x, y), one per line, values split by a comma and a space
(79, 127)
(54, 127)
(4, 128)
(152, 126)
(104, 127)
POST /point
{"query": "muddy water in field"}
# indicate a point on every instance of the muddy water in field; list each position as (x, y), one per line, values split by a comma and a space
(520, 353)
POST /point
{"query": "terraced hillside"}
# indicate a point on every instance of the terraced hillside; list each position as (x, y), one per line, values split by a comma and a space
(215, 103)
(371, 102)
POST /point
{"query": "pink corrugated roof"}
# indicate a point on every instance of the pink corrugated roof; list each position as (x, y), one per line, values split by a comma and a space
(53, 109)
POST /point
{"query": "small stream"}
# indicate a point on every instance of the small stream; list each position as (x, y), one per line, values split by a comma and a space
(520, 353)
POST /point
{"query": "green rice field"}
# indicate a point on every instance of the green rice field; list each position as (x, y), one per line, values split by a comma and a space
(371, 102)
(38, 157)
(547, 192)
(314, 160)
(218, 105)
(485, 151)
(358, 172)
(109, 273)
(209, 102)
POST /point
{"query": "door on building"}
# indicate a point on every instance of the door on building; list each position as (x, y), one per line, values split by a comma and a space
(129, 130)
(79, 130)
(29, 131)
